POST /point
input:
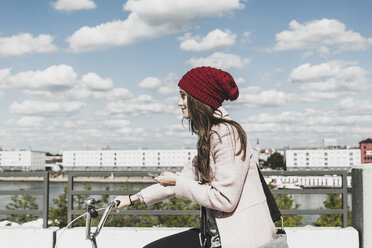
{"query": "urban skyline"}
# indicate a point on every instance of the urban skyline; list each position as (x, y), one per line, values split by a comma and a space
(94, 73)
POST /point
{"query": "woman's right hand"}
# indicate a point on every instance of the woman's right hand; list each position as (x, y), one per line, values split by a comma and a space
(124, 201)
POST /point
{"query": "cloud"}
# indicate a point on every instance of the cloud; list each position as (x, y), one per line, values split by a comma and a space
(28, 121)
(225, 61)
(165, 86)
(29, 107)
(323, 36)
(150, 83)
(309, 126)
(350, 104)
(147, 20)
(140, 105)
(73, 5)
(25, 43)
(61, 83)
(95, 82)
(214, 39)
(56, 77)
(331, 79)
(256, 97)
(4, 74)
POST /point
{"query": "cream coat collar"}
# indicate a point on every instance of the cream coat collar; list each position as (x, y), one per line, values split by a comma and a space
(221, 113)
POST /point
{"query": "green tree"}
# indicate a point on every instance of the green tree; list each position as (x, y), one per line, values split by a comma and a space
(58, 214)
(26, 202)
(333, 201)
(275, 161)
(287, 202)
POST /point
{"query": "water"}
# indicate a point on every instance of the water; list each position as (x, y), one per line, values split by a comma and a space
(305, 201)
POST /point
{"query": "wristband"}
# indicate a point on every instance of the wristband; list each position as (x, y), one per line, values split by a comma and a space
(130, 200)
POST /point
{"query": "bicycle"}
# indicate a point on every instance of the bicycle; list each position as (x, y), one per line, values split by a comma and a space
(92, 212)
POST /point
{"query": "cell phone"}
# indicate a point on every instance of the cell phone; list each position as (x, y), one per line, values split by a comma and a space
(151, 174)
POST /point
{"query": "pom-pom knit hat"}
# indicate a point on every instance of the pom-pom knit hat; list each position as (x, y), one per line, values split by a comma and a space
(209, 85)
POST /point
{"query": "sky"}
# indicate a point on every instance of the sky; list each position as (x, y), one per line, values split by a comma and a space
(95, 74)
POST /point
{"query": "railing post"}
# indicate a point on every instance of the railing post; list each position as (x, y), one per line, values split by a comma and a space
(46, 200)
(361, 203)
(70, 202)
(344, 199)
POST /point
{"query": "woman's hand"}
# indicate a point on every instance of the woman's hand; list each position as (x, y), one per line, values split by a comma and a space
(124, 201)
(166, 178)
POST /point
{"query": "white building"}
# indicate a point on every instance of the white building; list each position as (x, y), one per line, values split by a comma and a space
(126, 158)
(321, 158)
(22, 160)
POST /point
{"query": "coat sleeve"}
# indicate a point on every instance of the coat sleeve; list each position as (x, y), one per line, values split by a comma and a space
(230, 172)
(157, 192)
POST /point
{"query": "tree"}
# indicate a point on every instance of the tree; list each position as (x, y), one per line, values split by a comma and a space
(287, 202)
(58, 214)
(275, 161)
(26, 202)
(333, 201)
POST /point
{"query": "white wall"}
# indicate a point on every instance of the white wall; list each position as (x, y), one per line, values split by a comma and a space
(24, 160)
(298, 237)
(127, 158)
(322, 158)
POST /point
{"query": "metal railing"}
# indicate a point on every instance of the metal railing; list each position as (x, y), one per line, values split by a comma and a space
(44, 192)
(72, 192)
(343, 191)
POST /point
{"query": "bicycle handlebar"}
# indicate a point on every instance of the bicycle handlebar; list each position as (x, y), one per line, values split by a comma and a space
(92, 213)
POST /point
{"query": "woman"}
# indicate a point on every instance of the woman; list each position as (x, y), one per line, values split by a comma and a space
(222, 178)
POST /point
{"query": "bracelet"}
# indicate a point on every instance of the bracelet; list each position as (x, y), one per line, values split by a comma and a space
(130, 200)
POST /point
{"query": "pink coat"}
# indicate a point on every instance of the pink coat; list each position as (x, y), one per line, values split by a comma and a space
(242, 215)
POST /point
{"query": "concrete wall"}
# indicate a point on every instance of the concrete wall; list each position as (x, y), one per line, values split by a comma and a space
(362, 202)
(20, 237)
(298, 237)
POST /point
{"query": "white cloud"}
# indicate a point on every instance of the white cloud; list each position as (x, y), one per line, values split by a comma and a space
(29, 107)
(350, 104)
(214, 39)
(225, 61)
(309, 126)
(25, 43)
(256, 97)
(165, 86)
(56, 77)
(4, 74)
(240, 80)
(29, 121)
(72, 5)
(148, 20)
(141, 105)
(95, 82)
(331, 79)
(323, 36)
(118, 123)
(150, 83)
(61, 83)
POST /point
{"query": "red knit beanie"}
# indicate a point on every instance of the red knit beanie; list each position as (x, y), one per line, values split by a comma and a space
(209, 85)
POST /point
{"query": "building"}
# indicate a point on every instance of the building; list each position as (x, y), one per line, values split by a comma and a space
(111, 159)
(22, 160)
(366, 151)
(321, 158)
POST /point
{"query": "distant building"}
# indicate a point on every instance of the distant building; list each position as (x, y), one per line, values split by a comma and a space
(22, 160)
(106, 159)
(366, 151)
(329, 142)
(321, 158)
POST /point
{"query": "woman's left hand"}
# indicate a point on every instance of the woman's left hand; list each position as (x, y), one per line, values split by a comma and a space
(166, 178)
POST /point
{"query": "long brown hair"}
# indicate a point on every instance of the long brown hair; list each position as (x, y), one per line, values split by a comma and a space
(201, 122)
